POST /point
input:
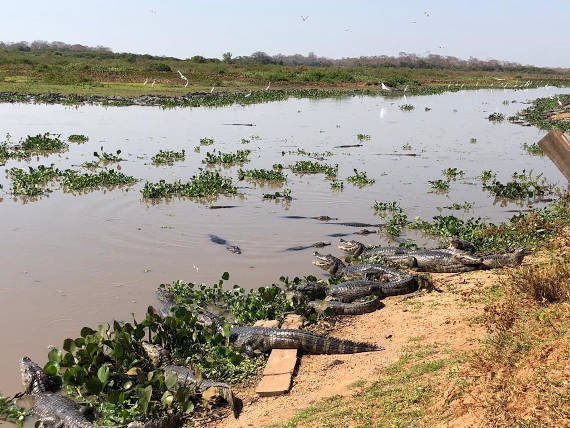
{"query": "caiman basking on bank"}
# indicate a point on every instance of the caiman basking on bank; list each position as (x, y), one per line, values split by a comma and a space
(160, 358)
(337, 267)
(51, 408)
(341, 308)
(250, 340)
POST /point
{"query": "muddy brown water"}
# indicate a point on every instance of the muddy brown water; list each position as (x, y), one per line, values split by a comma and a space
(69, 261)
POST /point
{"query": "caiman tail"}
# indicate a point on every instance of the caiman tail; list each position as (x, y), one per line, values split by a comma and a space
(317, 344)
(221, 390)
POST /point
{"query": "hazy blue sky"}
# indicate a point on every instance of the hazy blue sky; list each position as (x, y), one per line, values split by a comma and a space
(525, 31)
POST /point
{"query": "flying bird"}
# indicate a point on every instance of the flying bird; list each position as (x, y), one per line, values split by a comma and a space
(268, 86)
(385, 88)
(304, 18)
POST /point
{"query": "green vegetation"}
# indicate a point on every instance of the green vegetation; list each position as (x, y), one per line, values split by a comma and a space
(43, 143)
(262, 174)
(382, 207)
(528, 230)
(473, 140)
(207, 141)
(106, 157)
(496, 117)
(205, 183)
(309, 167)
(542, 113)
(407, 147)
(360, 179)
(76, 181)
(533, 149)
(78, 138)
(452, 173)
(363, 137)
(34, 181)
(457, 206)
(11, 412)
(439, 185)
(214, 158)
(337, 185)
(284, 194)
(522, 186)
(168, 157)
(407, 107)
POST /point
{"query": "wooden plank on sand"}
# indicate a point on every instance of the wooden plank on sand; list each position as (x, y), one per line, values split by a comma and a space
(557, 148)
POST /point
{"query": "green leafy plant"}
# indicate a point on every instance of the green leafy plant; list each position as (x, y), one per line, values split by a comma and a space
(206, 141)
(11, 412)
(275, 174)
(205, 183)
(78, 138)
(533, 149)
(407, 107)
(214, 158)
(407, 146)
(496, 117)
(284, 194)
(363, 137)
(43, 143)
(107, 157)
(337, 185)
(439, 185)
(309, 167)
(360, 178)
(168, 157)
(76, 181)
(34, 181)
(453, 173)
(392, 206)
(523, 185)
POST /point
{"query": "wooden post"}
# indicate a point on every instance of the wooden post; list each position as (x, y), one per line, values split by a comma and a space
(557, 148)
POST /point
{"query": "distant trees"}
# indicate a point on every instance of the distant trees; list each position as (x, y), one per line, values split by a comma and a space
(227, 57)
(42, 45)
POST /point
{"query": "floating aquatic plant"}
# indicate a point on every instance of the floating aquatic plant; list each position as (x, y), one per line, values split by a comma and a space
(168, 157)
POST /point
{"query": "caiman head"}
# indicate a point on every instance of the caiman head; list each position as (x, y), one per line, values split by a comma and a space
(354, 248)
(34, 379)
(462, 244)
(517, 256)
(328, 262)
(155, 353)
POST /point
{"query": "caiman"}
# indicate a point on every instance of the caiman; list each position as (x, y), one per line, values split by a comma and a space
(501, 260)
(341, 308)
(436, 260)
(263, 339)
(336, 267)
(319, 244)
(355, 248)
(231, 248)
(205, 318)
(160, 358)
(51, 408)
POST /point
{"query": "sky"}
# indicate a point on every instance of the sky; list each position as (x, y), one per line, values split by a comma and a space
(524, 31)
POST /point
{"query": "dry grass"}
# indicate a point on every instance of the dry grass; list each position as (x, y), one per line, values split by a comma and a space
(549, 283)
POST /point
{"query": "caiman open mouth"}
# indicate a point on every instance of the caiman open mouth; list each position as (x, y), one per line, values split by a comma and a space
(322, 261)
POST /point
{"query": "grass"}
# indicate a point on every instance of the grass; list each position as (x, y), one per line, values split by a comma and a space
(168, 157)
(401, 396)
(205, 183)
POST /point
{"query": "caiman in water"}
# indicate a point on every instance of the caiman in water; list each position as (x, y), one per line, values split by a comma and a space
(160, 358)
(319, 244)
(51, 408)
(262, 339)
(231, 248)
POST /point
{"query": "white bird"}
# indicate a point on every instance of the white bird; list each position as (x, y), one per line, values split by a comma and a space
(559, 103)
(247, 95)
(212, 90)
(304, 18)
(477, 84)
(153, 82)
(448, 86)
(405, 99)
(268, 86)
(496, 78)
(462, 85)
(183, 77)
(385, 88)
(405, 88)
(145, 82)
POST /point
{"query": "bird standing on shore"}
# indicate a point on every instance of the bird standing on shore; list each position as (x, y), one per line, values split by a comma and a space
(268, 86)
(212, 90)
(183, 78)
(384, 87)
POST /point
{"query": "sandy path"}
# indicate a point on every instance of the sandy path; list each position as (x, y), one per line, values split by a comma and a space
(421, 318)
